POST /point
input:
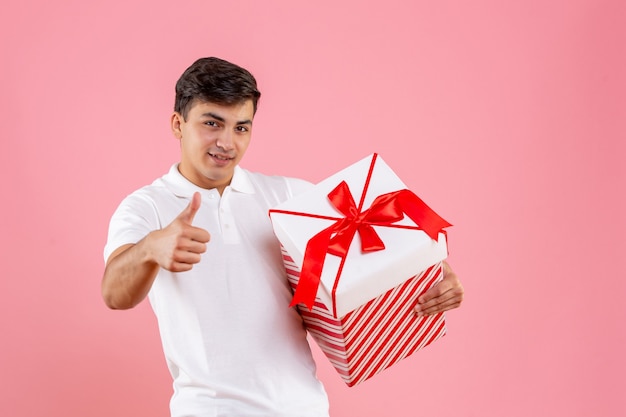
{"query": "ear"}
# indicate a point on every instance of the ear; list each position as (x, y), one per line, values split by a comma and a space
(176, 122)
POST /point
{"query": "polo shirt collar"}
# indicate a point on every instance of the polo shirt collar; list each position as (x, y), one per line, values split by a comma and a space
(182, 187)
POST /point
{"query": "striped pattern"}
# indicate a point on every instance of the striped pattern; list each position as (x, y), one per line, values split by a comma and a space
(376, 335)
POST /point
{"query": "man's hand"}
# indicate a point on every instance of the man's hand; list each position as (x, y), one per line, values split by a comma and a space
(180, 245)
(446, 295)
(132, 268)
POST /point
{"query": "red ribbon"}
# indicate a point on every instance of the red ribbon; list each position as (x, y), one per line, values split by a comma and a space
(385, 210)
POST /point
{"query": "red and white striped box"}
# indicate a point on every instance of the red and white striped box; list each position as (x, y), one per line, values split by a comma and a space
(359, 249)
(376, 335)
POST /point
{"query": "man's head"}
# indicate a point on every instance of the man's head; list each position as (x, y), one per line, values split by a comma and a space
(213, 80)
(215, 104)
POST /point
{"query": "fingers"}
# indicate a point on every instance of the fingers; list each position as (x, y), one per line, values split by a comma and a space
(183, 256)
(190, 211)
(184, 260)
(445, 295)
(187, 215)
(194, 241)
(197, 235)
(438, 305)
(180, 245)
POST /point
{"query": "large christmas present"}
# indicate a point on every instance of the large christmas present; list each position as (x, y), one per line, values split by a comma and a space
(359, 249)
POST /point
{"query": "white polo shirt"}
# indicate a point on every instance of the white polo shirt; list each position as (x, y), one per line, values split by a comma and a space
(232, 344)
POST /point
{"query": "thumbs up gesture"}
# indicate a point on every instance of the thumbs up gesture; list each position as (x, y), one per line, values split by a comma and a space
(179, 246)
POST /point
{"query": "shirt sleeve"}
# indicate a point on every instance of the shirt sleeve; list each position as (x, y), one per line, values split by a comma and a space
(296, 186)
(134, 218)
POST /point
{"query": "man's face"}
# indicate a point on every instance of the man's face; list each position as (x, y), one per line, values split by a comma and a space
(213, 139)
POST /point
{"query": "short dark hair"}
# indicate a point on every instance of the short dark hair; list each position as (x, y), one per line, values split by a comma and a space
(215, 80)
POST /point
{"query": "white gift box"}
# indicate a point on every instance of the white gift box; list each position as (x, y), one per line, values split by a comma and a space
(349, 281)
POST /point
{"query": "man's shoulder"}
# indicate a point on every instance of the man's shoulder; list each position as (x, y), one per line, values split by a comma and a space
(149, 196)
(278, 183)
(156, 188)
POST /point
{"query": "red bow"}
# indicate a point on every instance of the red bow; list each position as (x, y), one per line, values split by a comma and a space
(385, 210)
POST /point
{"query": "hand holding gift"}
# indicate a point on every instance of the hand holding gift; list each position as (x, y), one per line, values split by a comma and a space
(444, 296)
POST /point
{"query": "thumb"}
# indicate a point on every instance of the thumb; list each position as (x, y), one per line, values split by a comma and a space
(190, 211)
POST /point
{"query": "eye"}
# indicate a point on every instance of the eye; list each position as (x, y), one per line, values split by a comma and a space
(242, 129)
(211, 123)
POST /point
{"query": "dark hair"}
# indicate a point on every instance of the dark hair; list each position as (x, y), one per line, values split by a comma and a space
(214, 80)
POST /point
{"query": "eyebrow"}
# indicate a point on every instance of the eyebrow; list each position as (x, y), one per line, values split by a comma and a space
(221, 119)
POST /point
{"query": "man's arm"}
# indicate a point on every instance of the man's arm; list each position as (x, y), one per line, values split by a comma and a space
(446, 295)
(128, 276)
(131, 269)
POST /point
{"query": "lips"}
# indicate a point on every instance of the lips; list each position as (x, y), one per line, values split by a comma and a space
(221, 157)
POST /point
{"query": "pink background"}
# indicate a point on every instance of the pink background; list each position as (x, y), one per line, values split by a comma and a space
(508, 118)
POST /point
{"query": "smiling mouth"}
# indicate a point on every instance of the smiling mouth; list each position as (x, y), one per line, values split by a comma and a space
(221, 157)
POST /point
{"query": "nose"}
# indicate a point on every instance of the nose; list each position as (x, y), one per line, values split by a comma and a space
(225, 140)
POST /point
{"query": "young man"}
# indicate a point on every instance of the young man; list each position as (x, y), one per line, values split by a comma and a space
(199, 243)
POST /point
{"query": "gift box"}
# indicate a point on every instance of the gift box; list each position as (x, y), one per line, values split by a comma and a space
(359, 249)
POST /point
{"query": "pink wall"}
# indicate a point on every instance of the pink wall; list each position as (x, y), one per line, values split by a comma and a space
(507, 117)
